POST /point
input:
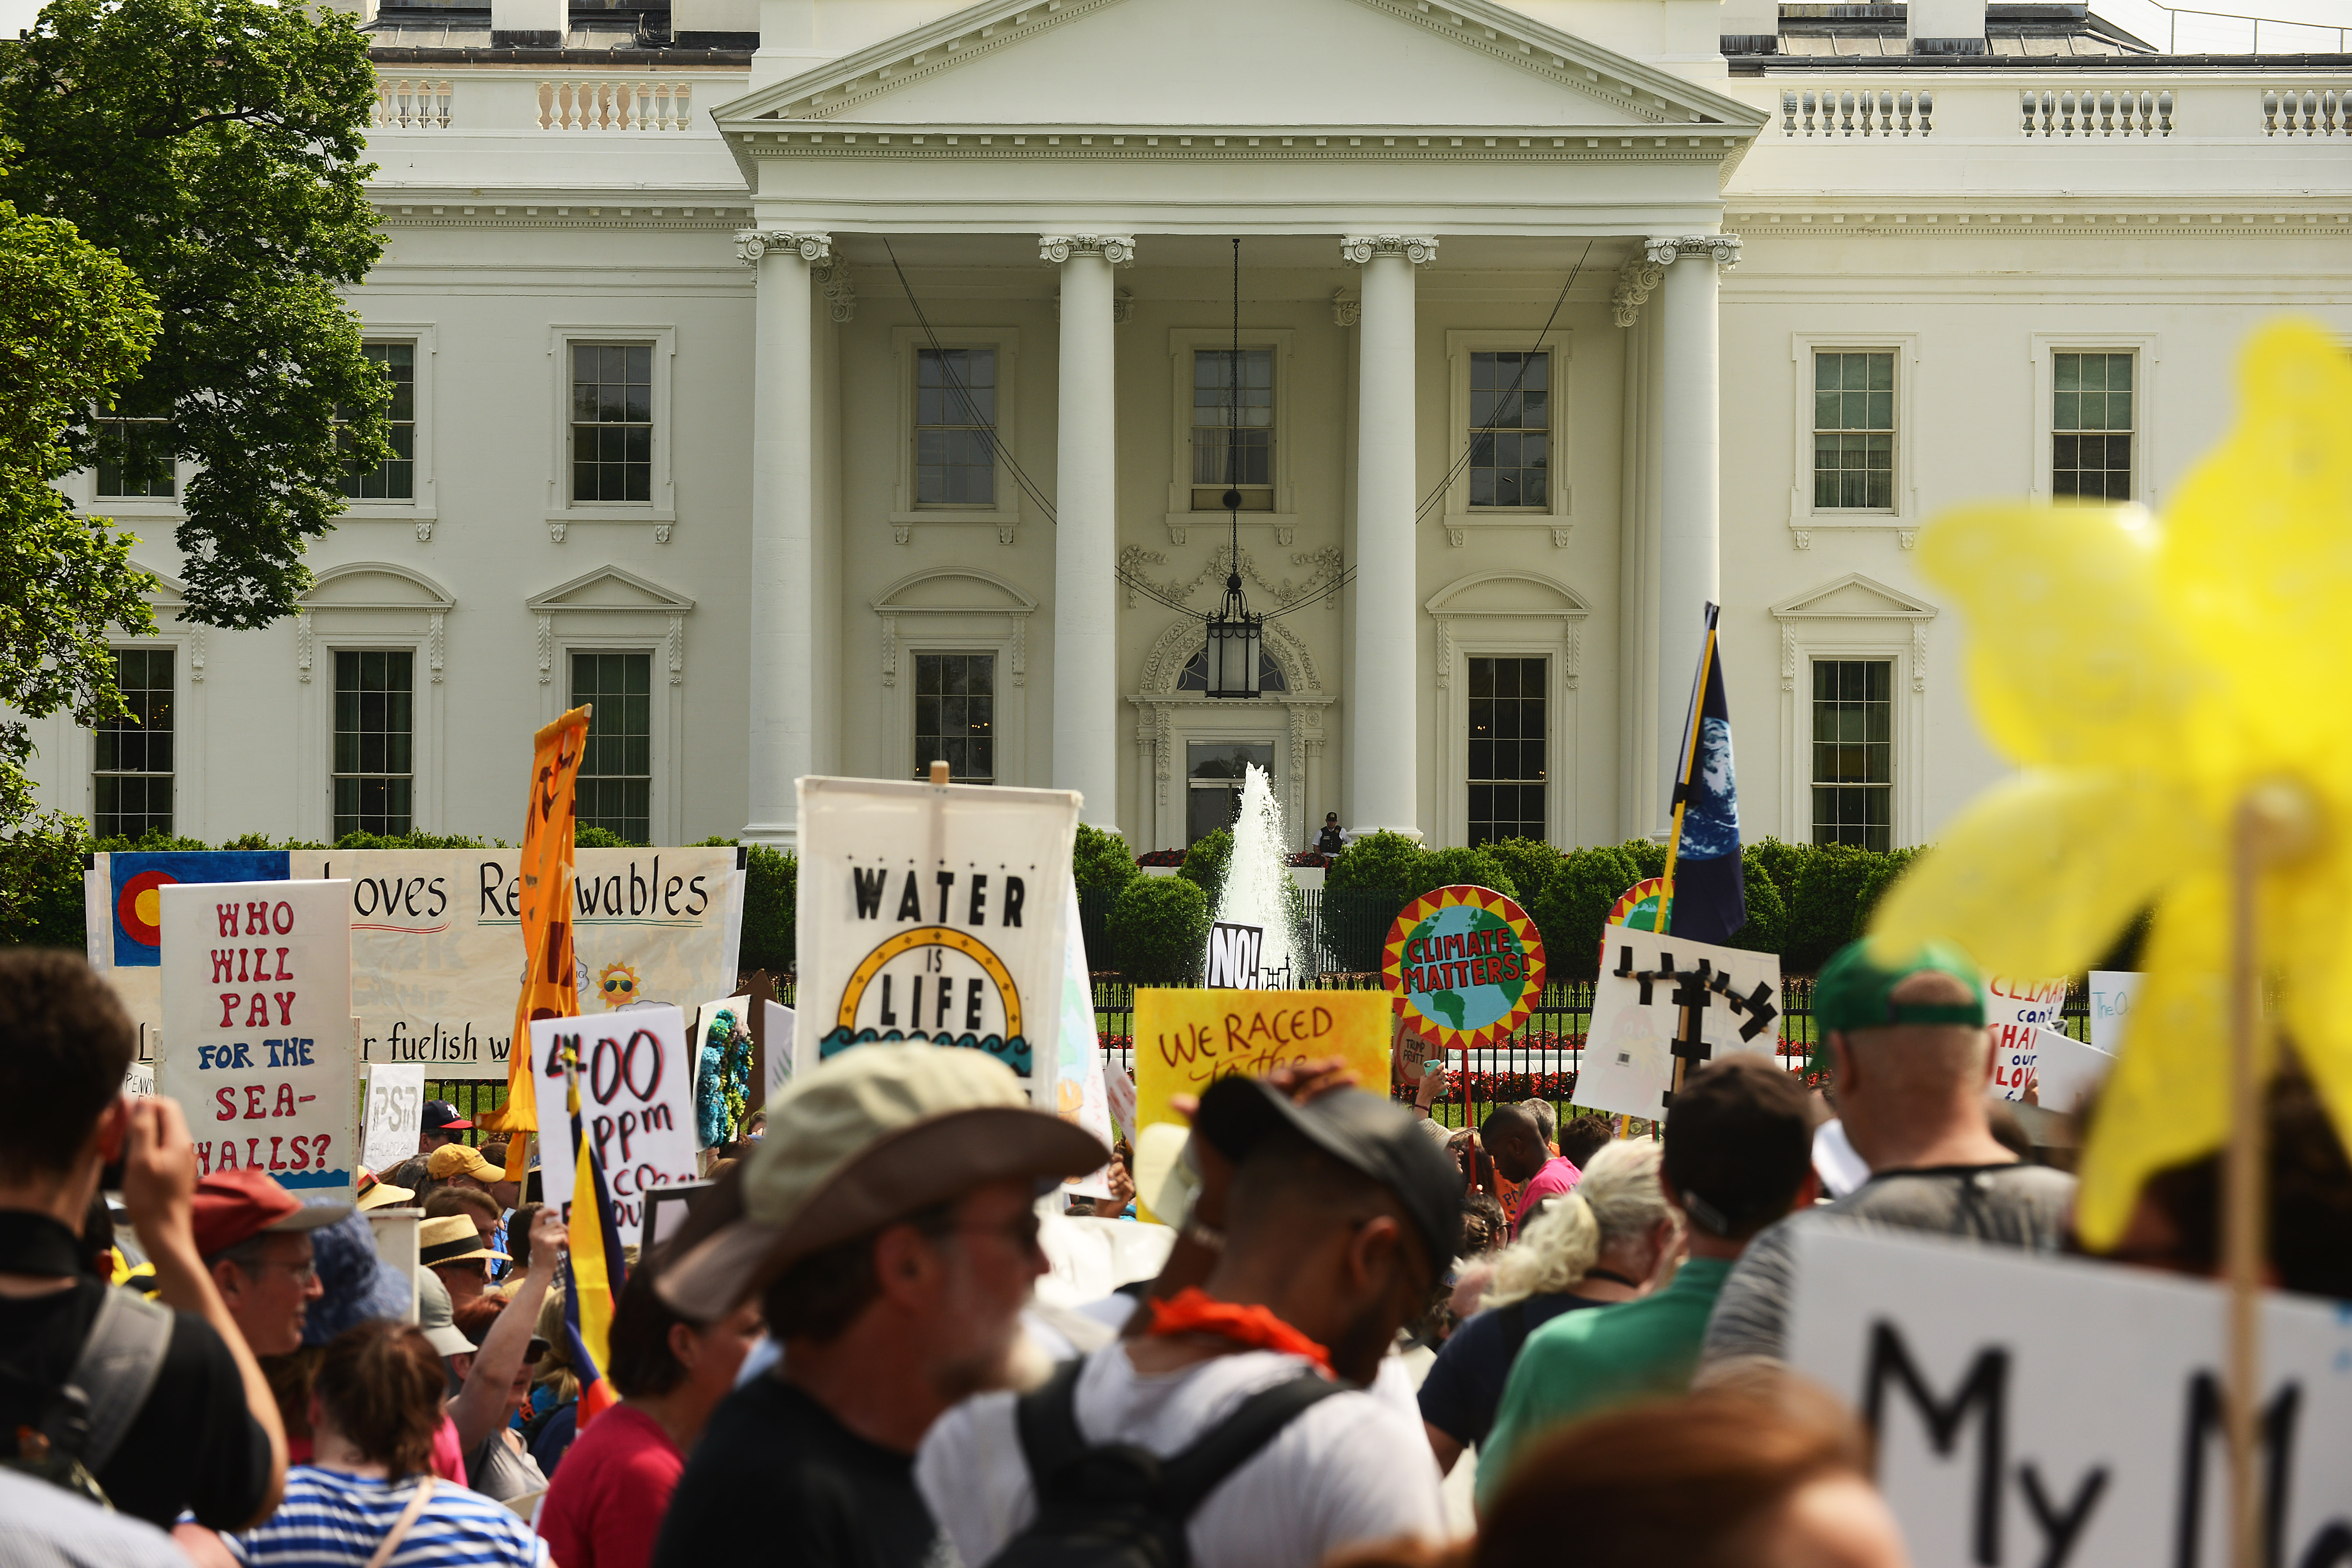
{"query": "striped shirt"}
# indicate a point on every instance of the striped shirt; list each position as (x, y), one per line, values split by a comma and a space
(331, 1519)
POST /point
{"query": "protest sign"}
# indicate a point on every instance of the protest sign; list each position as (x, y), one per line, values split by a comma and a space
(2049, 1410)
(2113, 991)
(395, 1100)
(1468, 965)
(1233, 954)
(636, 1106)
(139, 1080)
(1080, 1095)
(2044, 1068)
(1185, 1040)
(1118, 1088)
(2035, 1004)
(1661, 996)
(935, 913)
(257, 980)
(437, 945)
(784, 1044)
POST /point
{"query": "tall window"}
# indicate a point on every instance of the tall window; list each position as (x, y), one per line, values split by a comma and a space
(1507, 740)
(2091, 426)
(1233, 428)
(616, 770)
(1215, 773)
(1853, 431)
(395, 478)
(955, 715)
(955, 419)
(1853, 751)
(132, 784)
(612, 422)
(375, 695)
(135, 458)
(1510, 463)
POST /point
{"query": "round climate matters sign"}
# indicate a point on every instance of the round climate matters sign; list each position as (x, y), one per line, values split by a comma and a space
(1467, 963)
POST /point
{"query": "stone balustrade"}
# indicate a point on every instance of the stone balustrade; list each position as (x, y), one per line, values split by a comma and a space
(644, 105)
(2096, 111)
(411, 103)
(2307, 111)
(1857, 111)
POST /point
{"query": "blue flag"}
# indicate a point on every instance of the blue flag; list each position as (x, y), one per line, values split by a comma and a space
(1710, 892)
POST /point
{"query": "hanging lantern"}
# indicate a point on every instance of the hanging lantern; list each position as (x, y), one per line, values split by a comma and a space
(1235, 638)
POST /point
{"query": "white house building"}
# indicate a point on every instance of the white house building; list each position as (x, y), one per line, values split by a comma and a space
(827, 385)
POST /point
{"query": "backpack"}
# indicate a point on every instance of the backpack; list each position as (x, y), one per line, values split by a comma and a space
(85, 1420)
(1121, 1505)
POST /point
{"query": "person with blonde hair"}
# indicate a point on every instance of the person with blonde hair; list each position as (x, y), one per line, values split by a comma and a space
(1600, 1243)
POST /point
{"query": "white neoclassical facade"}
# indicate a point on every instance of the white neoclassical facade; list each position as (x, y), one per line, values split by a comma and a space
(828, 385)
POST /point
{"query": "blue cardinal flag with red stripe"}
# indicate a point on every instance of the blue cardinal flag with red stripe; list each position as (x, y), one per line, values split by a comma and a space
(1704, 876)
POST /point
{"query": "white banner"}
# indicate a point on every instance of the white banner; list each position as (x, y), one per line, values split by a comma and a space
(395, 1103)
(636, 1106)
(2113, 991)
(782, 1043)
(256, 977)
(1651, 989)
(2042, 1410)
(934, 912)
(2035, 1004)
(1080, 1095)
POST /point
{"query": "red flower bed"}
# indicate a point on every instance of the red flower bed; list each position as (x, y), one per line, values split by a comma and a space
(1161, 857)
(1310, 858)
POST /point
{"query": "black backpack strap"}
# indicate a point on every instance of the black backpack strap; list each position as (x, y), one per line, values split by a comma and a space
(1047, 1419)
(1190, 1476)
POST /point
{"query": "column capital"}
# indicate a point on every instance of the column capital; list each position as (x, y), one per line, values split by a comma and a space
(1723, 249)
(1416, 248)
(1636, 281)
(1118, 249)
(751, 244)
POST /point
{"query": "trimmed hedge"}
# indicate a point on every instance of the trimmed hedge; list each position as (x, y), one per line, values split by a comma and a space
(1159, 930)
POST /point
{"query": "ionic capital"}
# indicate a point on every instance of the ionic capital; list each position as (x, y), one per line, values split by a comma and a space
(1723, 249)
(1636, 281)
(751, 244)
(1360, 248)
(1118, 249)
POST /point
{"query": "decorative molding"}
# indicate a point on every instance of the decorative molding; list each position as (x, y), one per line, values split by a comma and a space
(753, 244)
(546, 646)
(1636, 281)
(1855, 617)
(1347, 309)
(1787, 655)
(902, 532)
(1455, 535)
(1919, 655)
(1414, 247)
(839, 287)
(2009, 224)
(889, 649)
(676, 649)
(1327, 565)
(1118, 249)
(1444, 652)
(433, 644)
(1020, 650)
(1508, 613)
(423, 531)
(303, 644)
(196, 654)
(1800, 538)
(1723, 249)
(556, 529)
(1907, 537)
(1559, 535)
(662, 533)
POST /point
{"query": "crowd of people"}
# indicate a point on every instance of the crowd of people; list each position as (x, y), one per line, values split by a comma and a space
(839, 1362)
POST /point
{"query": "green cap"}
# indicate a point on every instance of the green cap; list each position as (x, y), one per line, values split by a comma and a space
(1855, 990)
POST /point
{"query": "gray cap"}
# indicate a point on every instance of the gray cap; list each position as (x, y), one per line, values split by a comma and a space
(435, 1317)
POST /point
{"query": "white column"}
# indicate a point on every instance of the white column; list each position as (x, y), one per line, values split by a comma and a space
(1384, 665)
(1691, 486)
(1086, 532)
(781, 719)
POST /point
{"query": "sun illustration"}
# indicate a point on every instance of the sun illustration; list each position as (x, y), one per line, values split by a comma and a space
(617, 983)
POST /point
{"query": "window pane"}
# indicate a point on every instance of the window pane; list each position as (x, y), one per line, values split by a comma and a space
(1505, 751)
(1510, 421)
(2091, 419)
(955, 715)
(616, 764)
(373, 744)
(955, 413)
(1853, 751)
(612, 429)
(1233, 428)
(132, 784)
(1854, 397)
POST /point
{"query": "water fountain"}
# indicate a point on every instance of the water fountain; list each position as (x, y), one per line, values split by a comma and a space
(1257, 876)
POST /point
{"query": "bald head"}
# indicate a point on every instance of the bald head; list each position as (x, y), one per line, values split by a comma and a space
(1909, 1093)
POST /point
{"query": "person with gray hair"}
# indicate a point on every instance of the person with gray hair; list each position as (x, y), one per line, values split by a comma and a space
(1601, 1243)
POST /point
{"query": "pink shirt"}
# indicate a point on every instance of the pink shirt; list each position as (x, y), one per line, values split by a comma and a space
(1556, 1176)
(605, 1506)
(448, 1454)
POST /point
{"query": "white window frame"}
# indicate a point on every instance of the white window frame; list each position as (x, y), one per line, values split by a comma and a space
(420, 717)
(1836, 622)
(413, 621)
(2142, 347)
(591, 614)
(1554, 633)
(184, 682)
(424, 508)
(1804, 518)
(662, 722)
(1558, 513)
(81, 487)
(661, 510)
(964, 624)
(968, 648)
(1006, 515)
(1181, 343)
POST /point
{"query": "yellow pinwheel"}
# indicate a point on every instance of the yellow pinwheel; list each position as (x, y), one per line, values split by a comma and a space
(2148, 677)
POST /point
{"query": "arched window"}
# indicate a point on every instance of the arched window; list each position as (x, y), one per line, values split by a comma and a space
(1196, 674)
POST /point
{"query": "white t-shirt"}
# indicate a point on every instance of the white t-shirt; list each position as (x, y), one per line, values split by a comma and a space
(1350, 1469)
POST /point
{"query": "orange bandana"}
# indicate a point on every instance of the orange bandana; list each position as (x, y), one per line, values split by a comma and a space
(1193, 1311)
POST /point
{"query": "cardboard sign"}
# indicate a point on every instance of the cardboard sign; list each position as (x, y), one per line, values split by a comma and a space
(783, 1046)
(2044, 1068)
(257, 980)
(1467, 964)
(1186, 1040)
(935, 913)
(1233, 954)
(2113, 991)
(2036, 1003)
(636, 1106)
(395, 1101)
(2044, 1410)
(1657, 992)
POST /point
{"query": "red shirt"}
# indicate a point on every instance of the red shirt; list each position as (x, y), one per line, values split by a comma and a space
(605, 1506)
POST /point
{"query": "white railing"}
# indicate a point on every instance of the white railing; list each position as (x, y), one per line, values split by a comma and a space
(615, 105)
(2307, 112)
(2096, 111)
(1851, 111)
(409, 103)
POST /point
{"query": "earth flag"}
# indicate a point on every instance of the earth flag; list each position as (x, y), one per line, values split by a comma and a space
(1710, 892)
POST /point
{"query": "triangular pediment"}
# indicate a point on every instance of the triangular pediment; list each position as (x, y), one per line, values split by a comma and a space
(1850, 596)
(1299, 62)
(610, 588)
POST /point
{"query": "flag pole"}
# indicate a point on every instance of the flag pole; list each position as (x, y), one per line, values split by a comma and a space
(1682, 802)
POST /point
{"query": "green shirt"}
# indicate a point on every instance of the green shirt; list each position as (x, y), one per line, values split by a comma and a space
(1582, 1362)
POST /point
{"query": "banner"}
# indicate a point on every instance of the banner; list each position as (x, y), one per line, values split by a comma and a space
(636, 1106)
(1661, 996)
(2046, 1410)
(2113, 991)
(1466, 964)
(256, 978)
(2037, 1004)
(934, 912)
(395, 1104)
(1186, 1040)
(1081, 1094)
(2044, 1068)
(550, 989)
(1707, 889)
(135, 877)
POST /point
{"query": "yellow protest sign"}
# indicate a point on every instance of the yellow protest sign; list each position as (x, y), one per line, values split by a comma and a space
(1186, 1040)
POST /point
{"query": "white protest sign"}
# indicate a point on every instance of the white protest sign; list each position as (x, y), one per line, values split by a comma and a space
(2113, 991)
(1651, 989)
(1080, 1095)
(2044, 1410)
(934, 912)
(395, 1101)
(636, 1106)
(256, 982)
(782, 1039)
(1233, 956)
(2036, 1003)
(139, 1080)
(1119, 1088)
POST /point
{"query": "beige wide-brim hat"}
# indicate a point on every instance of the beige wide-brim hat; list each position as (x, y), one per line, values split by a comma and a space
(873, 1135)
(451, 1238)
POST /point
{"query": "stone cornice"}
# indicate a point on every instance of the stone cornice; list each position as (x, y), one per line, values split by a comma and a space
(1286, 145)
(2013, 220)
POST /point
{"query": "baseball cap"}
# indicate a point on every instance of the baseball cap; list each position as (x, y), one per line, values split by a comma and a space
(435, 1317)
(462, 1160)
(1856, 989)
(1366, 1131)
(234, 1205)
(873, 1135)
(440, 1116)
(450, 1238)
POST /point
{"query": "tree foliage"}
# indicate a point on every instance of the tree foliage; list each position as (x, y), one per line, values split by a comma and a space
(1159, 929)
(1101, 862)
(215, 146)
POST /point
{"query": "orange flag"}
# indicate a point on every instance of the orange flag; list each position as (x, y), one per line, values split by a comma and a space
(549, 986)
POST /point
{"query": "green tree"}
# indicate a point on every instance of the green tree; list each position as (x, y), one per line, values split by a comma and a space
(1531, 862)
(1159, 929)
(1100, 862)
(215, 146)
(1573, 906)
(1205, 865)
(1377, 862)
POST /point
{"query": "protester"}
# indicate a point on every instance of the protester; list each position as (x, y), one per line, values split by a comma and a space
(207, 1436)
(478, 1207)
(1737, 1156)
(888, 1229)
(605, 1506)
(374, 1407)
(494, 1380)
(1337, 1222)
(1514, 1139)
(436, 1321)
(518, 1233)
(1429, 1091)
(1546, 1116)
(494, 1154)
(1585, 1136)
(1600, 1244)
(377, 1194)
(451, 1245)
(462, 1165)
(413, 1175)
(1120, 1176)
(555, 1390)
(1484, 1227)
(1911, 1058)
(254, 1236)
(45, 1526)
(439, 1124)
